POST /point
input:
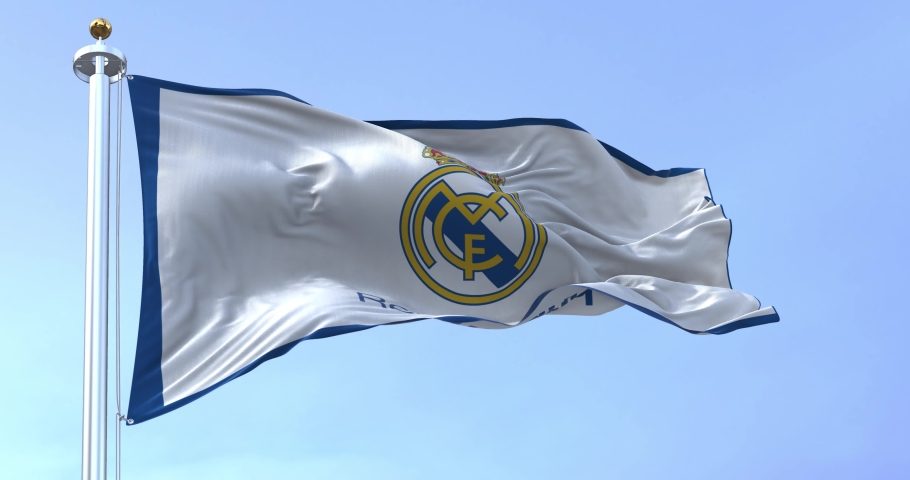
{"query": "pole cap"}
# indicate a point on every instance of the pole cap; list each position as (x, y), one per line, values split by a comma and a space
(100, 28)
(84, 63)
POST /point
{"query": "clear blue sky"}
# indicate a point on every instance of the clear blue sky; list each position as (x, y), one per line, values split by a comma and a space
(800, 111)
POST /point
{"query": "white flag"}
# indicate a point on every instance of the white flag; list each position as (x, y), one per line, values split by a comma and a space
(269, 221)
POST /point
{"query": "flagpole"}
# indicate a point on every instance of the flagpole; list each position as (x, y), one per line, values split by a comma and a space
(99, 65)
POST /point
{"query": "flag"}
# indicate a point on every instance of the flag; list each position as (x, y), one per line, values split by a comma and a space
(269, 221)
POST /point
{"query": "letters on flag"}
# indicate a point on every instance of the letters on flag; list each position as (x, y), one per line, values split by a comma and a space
(269, 221)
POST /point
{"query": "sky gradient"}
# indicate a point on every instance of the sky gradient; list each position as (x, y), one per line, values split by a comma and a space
(799, 111)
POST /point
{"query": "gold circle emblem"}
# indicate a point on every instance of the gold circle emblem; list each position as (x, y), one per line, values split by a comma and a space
(466, 239)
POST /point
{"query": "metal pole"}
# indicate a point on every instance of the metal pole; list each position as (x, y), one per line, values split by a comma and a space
(96, 63)
(94, 389)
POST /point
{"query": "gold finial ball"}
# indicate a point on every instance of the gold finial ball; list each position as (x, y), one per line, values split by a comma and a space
(100, 28)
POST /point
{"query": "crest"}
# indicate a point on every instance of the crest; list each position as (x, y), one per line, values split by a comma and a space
(467, 240)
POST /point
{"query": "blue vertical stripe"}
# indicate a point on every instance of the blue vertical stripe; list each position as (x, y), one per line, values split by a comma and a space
(146, 395)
